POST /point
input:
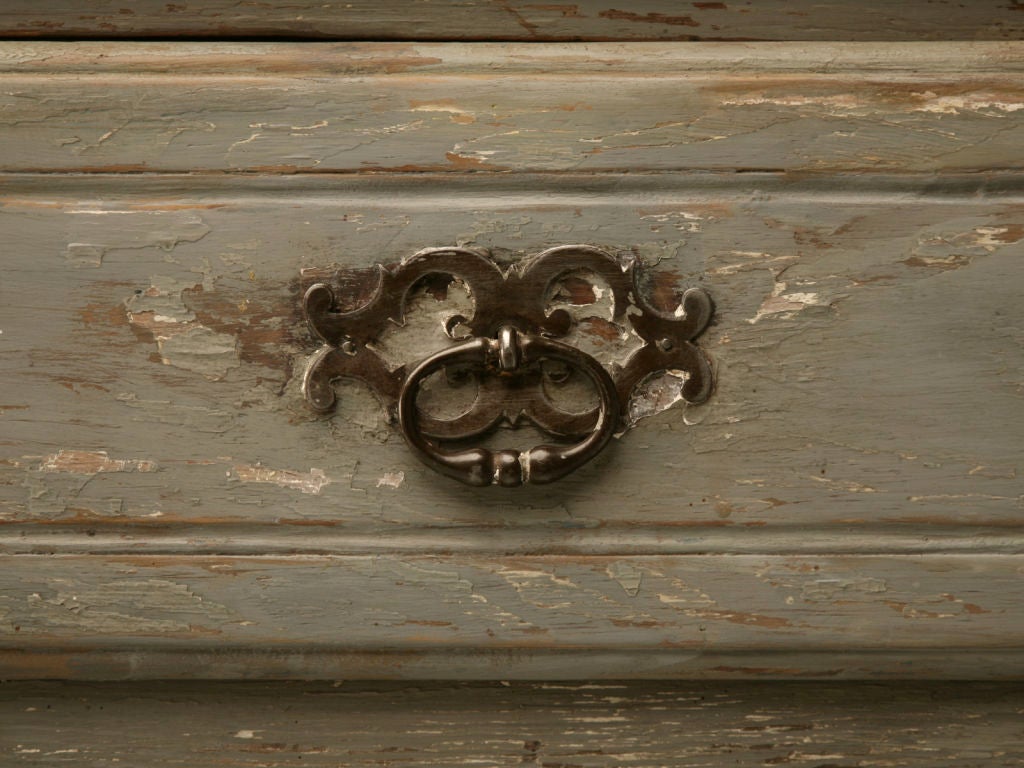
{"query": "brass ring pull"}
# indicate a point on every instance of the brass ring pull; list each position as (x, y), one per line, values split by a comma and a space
(506, 354)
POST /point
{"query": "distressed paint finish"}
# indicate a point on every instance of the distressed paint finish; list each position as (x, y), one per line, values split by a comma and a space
(866, 343)
(516, 617)
(848, 503)
(875, 20)
(445, 107)
(641, 725)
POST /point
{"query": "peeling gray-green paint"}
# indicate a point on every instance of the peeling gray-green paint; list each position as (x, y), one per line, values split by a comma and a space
(647, 616)
(839, 301)
(846, 505)
(423, 108)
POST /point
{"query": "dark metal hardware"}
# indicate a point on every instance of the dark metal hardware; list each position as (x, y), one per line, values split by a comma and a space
(512, 330)
(543, 464)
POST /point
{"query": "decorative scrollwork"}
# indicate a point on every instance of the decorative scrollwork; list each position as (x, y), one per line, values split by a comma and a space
(512, 300)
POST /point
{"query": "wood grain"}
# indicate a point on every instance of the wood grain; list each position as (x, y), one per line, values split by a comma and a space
(589, 108)
(640, 725)
(909, 20)
(393, 616)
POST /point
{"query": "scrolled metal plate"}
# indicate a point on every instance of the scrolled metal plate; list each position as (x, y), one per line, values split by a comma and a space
(512, 327)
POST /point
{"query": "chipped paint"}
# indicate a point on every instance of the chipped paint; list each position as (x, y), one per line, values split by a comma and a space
(750, 260)
(136, 229)
(841, 101)
(973, 102)
(112, 604)
(182, 341)
(312, 481)
(843, 589)
(781, 303)
(199, 349)
(391, 479)
(627, 575)
(655, 394)
(939, 606)
(945, 250)
(681, 221)
(92, 462)
(427, 312)
(84, 254)
(456, 113)
(469, 160)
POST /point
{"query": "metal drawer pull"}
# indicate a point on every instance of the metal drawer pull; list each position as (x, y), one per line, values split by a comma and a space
(513, 329)
(508, 353)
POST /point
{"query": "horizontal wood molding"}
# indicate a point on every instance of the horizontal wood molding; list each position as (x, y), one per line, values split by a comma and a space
(909, 20)
(551, 108)
(744, 725)
(247, 60)
(511, 617)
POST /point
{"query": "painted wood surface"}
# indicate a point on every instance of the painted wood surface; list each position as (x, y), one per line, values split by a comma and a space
(847, 504)
(868, 368)
(874, 20)
(556, 617)
(459, 108)
(866, 345)
(641, 725)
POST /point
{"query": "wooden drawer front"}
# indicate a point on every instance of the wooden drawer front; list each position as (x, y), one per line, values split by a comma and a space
(847, 504)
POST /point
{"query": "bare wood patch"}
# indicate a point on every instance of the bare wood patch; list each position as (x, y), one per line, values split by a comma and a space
(92, 462)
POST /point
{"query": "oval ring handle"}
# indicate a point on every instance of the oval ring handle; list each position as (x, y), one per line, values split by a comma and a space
(538, 465)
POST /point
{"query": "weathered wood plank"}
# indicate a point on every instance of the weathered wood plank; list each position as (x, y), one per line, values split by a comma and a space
(518, 20)
(541, 724)
(867, 350)
(511, 617)
(563, 107)
(366, 58)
